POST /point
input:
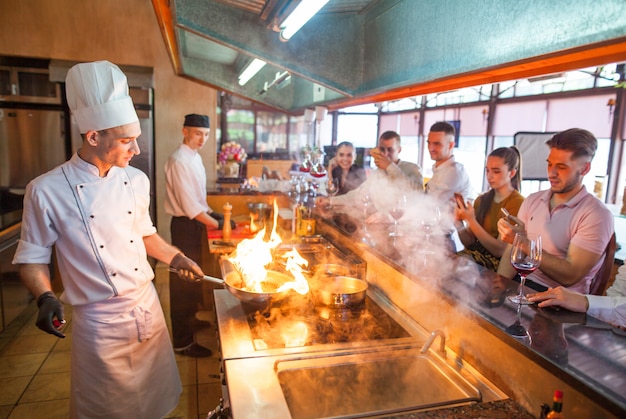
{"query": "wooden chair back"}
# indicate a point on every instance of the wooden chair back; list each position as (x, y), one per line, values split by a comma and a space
(599, 283)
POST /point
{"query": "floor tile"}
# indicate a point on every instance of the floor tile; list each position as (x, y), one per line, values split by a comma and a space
(30, 344)
(209, 396)
(54, 409)
(12, 389)
(187, 370)
(46, 387)
(20, 365)
(208, 370)
(5, 410)
(56, 362)
(187, 405)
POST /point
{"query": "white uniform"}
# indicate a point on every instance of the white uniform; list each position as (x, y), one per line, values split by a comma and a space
(449, 177)
(186, 184)
(123, 364)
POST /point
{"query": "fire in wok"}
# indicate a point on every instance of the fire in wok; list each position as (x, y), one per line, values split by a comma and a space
(246, 269)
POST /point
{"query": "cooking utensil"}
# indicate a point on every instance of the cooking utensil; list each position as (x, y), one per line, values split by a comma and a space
(341, 291)
(259, 210)
(234, 285)
(332, 269)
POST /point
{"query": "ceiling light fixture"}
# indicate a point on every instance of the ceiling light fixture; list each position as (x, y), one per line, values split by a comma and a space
(254, 67)
(299, 17)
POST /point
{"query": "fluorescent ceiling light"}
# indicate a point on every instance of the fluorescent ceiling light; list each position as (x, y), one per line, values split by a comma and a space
(254, 67)
(300, 15)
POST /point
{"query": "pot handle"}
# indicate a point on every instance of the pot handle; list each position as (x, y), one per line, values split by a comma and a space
(339, 299)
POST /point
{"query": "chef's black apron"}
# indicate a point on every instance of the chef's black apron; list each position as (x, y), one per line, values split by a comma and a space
(190, 236)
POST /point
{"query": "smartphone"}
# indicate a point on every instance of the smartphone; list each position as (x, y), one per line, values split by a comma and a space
(460, 201)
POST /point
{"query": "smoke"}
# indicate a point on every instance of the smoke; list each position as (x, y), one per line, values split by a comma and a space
(425, 243)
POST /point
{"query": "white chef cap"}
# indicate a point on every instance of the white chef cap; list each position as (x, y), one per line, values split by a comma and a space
(97, 94)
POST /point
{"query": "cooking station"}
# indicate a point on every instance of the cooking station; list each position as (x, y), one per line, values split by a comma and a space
(299, 358)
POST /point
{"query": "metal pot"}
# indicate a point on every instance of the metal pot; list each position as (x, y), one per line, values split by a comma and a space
(341, 292)
(260, 210)
(331, 270)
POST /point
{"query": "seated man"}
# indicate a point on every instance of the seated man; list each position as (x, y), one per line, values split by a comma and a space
(574, 225)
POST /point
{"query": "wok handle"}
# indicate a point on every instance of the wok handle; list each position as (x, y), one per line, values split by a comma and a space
(203, 278)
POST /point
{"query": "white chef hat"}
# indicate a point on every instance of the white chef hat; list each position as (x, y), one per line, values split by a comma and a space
(97, 94)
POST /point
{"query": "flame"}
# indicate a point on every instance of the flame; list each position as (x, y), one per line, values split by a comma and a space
(253, 227)
(252, 256)
(295, 334)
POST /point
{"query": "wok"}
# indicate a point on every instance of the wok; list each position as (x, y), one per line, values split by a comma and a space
(234, 284)
(341, 292)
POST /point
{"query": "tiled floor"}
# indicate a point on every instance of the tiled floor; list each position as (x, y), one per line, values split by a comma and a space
(35, 378)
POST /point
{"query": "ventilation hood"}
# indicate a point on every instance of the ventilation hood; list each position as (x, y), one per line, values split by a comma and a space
(367, 51)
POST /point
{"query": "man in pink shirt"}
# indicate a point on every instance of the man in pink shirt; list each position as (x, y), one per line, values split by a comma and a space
(574, 225)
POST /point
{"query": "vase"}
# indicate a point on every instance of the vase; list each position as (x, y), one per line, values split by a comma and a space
(231, 169)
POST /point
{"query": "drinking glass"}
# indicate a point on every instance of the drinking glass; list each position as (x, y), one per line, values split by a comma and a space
(525, 258)
(397, 211)
(332, 187)
(430, 221)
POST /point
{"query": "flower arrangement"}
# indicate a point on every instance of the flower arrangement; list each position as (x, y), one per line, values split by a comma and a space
(231, 152)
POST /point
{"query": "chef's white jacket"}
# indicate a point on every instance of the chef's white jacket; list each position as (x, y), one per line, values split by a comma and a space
(123, 364)
(185, 178)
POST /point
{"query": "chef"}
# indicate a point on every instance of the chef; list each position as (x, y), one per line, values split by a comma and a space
(94, 210)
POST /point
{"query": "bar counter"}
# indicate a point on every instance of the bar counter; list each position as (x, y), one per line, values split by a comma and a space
(579, 355)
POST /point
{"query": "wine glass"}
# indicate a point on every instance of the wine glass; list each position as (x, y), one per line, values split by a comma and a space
(516, 329)
(430, 221)
(332, 187)
(397, 211)
(525, 258)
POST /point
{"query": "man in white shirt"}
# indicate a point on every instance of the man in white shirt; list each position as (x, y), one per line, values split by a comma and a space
(449, 176)
(185, 201)
(93, 210)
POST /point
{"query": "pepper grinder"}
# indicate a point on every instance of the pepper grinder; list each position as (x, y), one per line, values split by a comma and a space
(226, 229)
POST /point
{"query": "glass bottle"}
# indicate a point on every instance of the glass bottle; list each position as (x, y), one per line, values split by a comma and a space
(557, 406)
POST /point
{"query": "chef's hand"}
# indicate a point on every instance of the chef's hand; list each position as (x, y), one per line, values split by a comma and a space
(50, 307)
(217, 216)
(187, 269)
(220, 224)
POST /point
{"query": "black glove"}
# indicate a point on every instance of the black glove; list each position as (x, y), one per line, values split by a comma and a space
(187, 269)
(50, 307)
(217, 216)
(220, 224)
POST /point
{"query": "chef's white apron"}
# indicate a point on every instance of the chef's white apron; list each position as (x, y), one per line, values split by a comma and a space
(123, 364)
(122, 354)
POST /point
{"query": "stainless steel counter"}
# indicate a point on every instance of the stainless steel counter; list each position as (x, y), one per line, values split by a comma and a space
(583, 357)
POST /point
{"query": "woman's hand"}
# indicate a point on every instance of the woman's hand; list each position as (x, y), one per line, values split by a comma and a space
(466, 213)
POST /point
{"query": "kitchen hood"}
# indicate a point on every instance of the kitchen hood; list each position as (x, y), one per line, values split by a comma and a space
(366, 51)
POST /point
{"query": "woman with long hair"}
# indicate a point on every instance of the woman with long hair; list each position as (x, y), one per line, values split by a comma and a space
(478, 224)
(342, 168)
